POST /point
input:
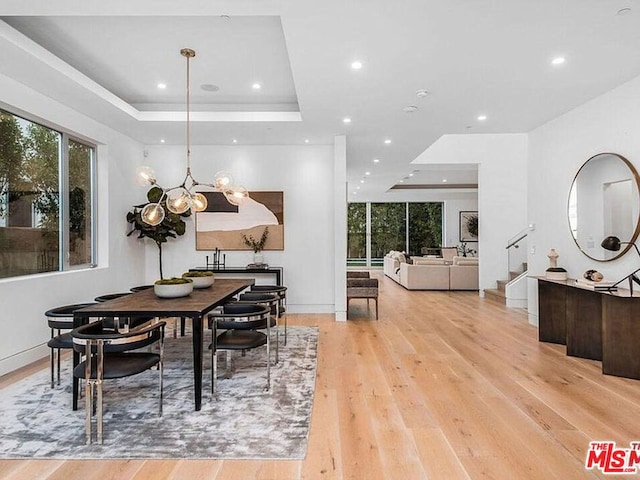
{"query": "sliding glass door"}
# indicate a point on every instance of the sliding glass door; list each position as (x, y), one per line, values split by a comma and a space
(376, 228)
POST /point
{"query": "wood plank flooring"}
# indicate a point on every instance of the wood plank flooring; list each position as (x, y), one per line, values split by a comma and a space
(445, 385)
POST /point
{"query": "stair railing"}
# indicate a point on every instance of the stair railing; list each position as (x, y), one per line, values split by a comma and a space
(517, 254)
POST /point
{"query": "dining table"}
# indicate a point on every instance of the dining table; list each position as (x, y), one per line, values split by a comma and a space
(146, 304)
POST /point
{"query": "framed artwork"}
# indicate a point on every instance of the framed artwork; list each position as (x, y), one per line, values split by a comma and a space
(222, 225)
(468, 226)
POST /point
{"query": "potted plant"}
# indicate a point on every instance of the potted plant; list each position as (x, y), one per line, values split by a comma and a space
(256, 245)
(173, 287)
(200, 279)
(171, 227)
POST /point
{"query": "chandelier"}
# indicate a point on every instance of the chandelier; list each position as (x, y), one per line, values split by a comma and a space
(182, 197)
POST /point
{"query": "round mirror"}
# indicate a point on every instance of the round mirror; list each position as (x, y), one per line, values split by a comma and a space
(604, 201)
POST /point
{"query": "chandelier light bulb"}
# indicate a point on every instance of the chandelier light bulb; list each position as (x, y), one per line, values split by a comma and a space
(152, 214)
(178, 200)
(145, 176)
(198, 202)
(236, 195)
(223, 181)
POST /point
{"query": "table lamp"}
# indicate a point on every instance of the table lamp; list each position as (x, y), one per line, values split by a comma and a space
(613, 244)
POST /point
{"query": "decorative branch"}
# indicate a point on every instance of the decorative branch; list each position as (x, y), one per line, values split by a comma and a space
(256, 245)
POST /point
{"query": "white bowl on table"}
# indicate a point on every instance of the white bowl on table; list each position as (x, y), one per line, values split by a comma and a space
(173, 291)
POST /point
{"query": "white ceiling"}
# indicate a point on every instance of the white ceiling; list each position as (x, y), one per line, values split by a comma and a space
(475, 57)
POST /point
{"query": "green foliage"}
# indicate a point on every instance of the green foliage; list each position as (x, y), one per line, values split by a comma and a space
(256, 245)
(173, 281)
(197, 274)
(389, 228)
(171, 227)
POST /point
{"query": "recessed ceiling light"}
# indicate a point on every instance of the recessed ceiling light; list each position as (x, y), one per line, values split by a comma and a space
(410, 109)
(361, 181)
(376, 160)
(162, 140)
(346, 120)
(357, 65)
(444, 180)
(421, 93)
(558, 61)
(482, 118)
(225, 17)
(367, 173)
(306, 140)
(387, 141)
(358, 187)
(162, 86)
(401, 181)
(209, 87)
(624, 11)
(256, 86)
(235, 140)
(411, 174)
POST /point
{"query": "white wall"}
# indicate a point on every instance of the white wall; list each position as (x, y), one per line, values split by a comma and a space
(121, 264)
(502, 187)
(306, 176)
(609, 123)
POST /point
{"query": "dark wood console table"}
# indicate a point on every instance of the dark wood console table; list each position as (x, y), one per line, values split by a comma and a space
(275, 271)
(598, 325)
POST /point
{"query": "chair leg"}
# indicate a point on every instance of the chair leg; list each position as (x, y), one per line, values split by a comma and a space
(99, 376)
(277, 333)
(52, 361)
(88, 409)
(376, 299)
(268, 364)
(161, 369)
(183, 322)
(58, 366)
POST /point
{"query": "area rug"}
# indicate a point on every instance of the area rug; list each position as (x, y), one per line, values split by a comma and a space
(243, 422)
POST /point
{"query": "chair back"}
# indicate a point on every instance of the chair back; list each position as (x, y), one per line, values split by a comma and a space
(117, 341)
(140, 288)
(240, 316)
(357, 274)
(261, 298)
(110, 296)
(62, 317)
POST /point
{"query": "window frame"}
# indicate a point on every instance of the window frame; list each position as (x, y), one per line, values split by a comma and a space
(64, 212)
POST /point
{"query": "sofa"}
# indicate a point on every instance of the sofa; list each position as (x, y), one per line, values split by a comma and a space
(429, 273)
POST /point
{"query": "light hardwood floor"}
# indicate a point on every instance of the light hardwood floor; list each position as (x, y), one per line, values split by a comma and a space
(445, 385)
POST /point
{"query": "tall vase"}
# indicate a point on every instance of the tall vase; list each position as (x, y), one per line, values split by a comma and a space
(257, 258)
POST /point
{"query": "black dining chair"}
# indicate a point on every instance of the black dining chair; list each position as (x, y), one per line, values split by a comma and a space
(240, 323)
(108, 354)
(270, 300)
(140, 288)
(59, 319)
(281, 291)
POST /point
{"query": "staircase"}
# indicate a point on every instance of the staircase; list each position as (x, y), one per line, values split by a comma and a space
(498, 295)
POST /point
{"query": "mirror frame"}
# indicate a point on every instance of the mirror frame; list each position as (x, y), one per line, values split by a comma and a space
(634, 237)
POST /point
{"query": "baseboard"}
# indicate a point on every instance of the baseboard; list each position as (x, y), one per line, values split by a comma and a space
(341, 316)
(21, 359)
(533, 319)
(517, 303)
(310, 308)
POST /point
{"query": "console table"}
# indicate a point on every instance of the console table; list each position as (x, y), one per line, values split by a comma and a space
(598, 325)
(277, 272)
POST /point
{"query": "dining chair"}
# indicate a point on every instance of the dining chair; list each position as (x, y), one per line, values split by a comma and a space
(281, 291)
(59, 319)
(108, 355)
(272, 302)
(240, 322)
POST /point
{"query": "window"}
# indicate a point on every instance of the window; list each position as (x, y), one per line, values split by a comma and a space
(410, 227)
(46, 191)
(357, 234)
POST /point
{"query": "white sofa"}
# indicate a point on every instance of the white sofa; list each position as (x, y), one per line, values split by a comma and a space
(426, 273)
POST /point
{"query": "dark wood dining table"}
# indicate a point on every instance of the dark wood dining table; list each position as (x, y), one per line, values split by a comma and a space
(145, 303)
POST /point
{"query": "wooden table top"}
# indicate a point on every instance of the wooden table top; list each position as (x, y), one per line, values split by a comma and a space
(145, 302)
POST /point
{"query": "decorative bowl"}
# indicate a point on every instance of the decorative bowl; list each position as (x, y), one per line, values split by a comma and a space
(202, 282)
(173, 291)
(200, 279)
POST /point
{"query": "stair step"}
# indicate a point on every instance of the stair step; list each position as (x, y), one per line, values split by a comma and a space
(501, 285)
(495, 295)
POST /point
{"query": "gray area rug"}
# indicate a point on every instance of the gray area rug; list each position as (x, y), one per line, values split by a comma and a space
(245, 422)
